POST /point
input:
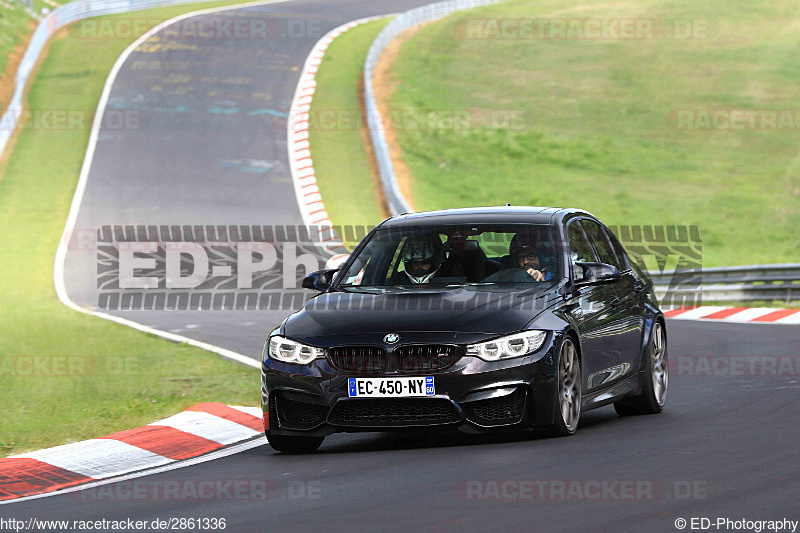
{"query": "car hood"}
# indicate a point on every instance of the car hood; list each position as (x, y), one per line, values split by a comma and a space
(465, 310)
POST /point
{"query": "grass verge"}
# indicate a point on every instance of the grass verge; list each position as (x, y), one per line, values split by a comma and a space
(16, 26)
(65, 376)
(337, 132)
(592, 123)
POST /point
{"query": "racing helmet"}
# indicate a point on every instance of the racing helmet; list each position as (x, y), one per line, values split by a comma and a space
(422, 250)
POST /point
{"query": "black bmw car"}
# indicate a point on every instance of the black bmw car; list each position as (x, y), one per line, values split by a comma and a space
(484, 319)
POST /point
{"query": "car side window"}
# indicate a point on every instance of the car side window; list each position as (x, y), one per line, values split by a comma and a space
(579, 249)
(600, 242)
(624, 263)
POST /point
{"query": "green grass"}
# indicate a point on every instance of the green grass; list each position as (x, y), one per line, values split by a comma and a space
(341, 163)
(129, 378)
(15, 25)
(593, 127)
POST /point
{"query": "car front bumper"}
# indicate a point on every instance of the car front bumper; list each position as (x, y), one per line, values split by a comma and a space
(472, 396)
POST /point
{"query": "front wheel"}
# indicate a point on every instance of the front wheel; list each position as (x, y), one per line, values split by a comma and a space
(568, 392)
(656, 379)
(287, 444)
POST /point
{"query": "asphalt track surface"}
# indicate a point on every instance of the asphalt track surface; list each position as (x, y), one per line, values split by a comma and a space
(732, 439)
(725, 446)
(196, 135)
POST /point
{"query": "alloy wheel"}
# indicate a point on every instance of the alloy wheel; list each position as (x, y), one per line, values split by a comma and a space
(569, 378)
(660, 365)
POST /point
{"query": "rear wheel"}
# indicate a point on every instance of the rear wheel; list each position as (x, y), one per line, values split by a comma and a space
(287, 444)
(568, 401)
(656, 379)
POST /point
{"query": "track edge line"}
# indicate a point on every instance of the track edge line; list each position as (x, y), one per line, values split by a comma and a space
(83, 178)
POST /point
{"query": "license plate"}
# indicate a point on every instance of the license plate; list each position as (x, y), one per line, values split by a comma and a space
(390, 387)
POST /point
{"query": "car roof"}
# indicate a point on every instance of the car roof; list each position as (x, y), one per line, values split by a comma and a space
(510, 214)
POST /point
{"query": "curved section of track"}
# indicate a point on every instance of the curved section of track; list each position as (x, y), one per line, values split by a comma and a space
(725, 446)
(201, 141)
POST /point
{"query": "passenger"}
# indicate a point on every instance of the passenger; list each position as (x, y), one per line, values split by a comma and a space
(525, 255)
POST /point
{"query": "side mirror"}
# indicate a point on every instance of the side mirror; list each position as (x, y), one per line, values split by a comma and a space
(597, 274)
(319, 280)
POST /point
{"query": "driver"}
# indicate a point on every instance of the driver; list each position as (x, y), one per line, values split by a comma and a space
(526, 256)
(422, 258)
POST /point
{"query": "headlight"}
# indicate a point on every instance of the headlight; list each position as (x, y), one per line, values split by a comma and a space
(289, 351)
(506, 347)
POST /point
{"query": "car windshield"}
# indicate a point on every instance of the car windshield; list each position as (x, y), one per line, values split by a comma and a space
(478, 254)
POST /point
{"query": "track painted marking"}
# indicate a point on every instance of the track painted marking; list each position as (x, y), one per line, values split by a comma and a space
(77, 199)
(98, 458)
(743, 315)
(219, 454)
(209, 427)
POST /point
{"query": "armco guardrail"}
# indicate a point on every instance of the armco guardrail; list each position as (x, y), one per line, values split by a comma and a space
(726, 284)
(57, 19)
(394, 197)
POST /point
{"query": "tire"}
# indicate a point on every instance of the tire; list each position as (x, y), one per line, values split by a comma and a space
(567, 402)
(656, 379)
(286, 444)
